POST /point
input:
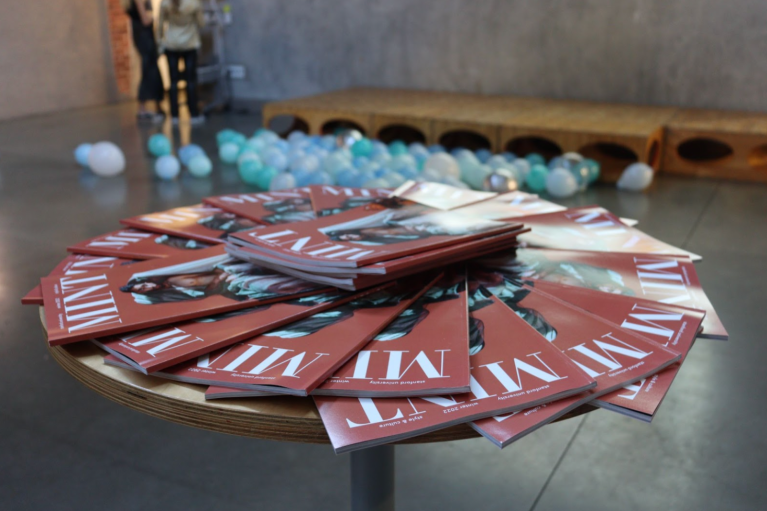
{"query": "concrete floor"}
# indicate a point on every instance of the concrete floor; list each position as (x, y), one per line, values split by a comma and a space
(64, 447)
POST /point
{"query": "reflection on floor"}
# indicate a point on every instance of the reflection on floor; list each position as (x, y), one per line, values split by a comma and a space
(64, 447)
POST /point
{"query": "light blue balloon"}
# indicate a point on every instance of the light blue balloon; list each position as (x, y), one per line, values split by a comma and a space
(275, 158)
(296, 136)
(347, 177)
(535, 159)
(536, 179)
(247, 154)
(167, 167)
(159, 145)
(200, 166)
(282, 145)
(228, 152)
(283, 181)
(362, 178)
(402, 161)
(268, 136)
(81, 154)
(559, 162)
(328, 142)
(303, 177)
(189, 151)
(378, 148)
(497, 161)
(594, 169)
(523, 169)
(581, 173)
(320, 178)
(431, 175)
(381, 158)
(249, 170)
(381, 172)
(454, 152)
(436, 148)
(509, 156)
(454, 181)
(408, 173)
(560, 183)
(228, 135)
(475, 177)
(360, 161)
(375, 183)
(483, 155)
(394, 179)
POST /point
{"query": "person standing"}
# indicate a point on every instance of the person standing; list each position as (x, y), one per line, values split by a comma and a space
(178, 31)
(150, 86)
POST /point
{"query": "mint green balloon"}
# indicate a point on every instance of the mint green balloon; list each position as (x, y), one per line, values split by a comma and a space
(536, 178)
(594, 169)
(249, 171)
(362, 147)
(227, 135)
(200, 166)
(264, 177)
(159, 145)
(229, 152)
(397, 147)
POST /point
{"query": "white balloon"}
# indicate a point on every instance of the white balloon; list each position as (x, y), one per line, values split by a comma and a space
(444, 164)
(561, 183)
(636, 177)
(106, 159)
(523, 168)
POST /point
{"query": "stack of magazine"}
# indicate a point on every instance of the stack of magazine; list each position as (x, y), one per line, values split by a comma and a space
(400, 312)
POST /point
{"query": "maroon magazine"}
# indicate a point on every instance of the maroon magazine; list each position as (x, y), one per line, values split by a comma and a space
(512, 368)
(592, 228)
(424, 351)
(268, 208)
(369, 234)
(136, 244)
(440, 196)
(510, 205)
(200, 222)
(160, 292)
(74, 264)
(297, 357)
(330, 200)
(665, 279)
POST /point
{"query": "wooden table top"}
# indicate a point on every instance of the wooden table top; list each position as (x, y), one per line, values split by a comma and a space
(292, 419)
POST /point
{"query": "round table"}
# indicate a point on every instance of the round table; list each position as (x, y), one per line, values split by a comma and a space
(289, 419)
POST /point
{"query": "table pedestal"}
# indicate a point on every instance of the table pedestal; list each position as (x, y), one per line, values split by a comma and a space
(373, 479)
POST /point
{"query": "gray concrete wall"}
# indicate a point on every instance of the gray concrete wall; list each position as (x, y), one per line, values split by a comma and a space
(54, 55)
(694, 53)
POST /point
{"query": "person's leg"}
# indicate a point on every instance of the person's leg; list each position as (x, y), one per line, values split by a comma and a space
(143, 47)
(190, 67)
(173, 57)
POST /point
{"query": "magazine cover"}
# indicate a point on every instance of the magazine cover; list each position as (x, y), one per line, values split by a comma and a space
(440, 196)
(370, 234)
(154, 349)
(512, 368)
(592, 228)
(424, 351)
(297, 357)
(136, 244)
(199, 222)
(330, 200)
(664, 279)
(511, 205)
(74, 264)
(268, 208)
(160, 292)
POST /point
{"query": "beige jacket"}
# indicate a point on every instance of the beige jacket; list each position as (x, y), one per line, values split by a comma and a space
(179, 29)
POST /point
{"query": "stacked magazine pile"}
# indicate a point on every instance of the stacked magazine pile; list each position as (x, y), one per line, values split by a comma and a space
(399, 312)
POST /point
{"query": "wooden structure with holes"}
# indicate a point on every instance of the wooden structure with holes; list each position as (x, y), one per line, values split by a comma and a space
(705, 143)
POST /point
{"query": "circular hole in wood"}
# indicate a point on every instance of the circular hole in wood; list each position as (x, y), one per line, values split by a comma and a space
(609, 151)
(284, 124)
(757, 158)
(407, 134)
(522, 146)
(333, 126)
(464, 138)
(703, 150)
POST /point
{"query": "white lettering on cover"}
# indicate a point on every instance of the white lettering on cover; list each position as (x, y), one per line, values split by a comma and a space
(662, 277)
(607, 358)
(165, 341)
(93, 308)
(372, 413)
(120, 239)
(647, 321)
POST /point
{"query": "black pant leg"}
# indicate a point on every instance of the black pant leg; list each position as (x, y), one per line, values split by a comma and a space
(190, 68)
(173, 58)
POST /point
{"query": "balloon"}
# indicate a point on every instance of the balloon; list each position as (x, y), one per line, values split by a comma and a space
(581, 173)
(275, 158)
(436, 148)
(560, 183)
(535, 158)
(230, 136)
(249, 170)
(167, 167)
(106, 159)
(268, 136)
(483, 155)
(189, 151)
(559, 161)
(296, 136)
(444, 164)
(362, 147)
(264, 177)
(320, 178)
(228, 152)
(359, 161)
(200, 166)
(376, 183)
(247, 154)
(256, 144)
(536, 179)
(347, 177)
(523, 168)
(594, 169)
(397, 147)
(401, 161)
(475, 177)
(347, 138)
(159, 145)
(283, 181)
(636, 177)
(509, 156)
(81, 154)
(497, 161)
(454, 182)
(501, 181)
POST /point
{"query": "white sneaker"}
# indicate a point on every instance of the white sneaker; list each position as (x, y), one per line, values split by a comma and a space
(196, 121)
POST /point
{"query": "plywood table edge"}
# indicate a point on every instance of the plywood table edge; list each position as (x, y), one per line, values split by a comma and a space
(250, 417)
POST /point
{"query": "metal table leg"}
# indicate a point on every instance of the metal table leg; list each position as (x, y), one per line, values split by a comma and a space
(373, 479)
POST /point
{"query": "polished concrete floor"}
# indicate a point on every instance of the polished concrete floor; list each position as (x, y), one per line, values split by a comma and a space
(63, 447)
